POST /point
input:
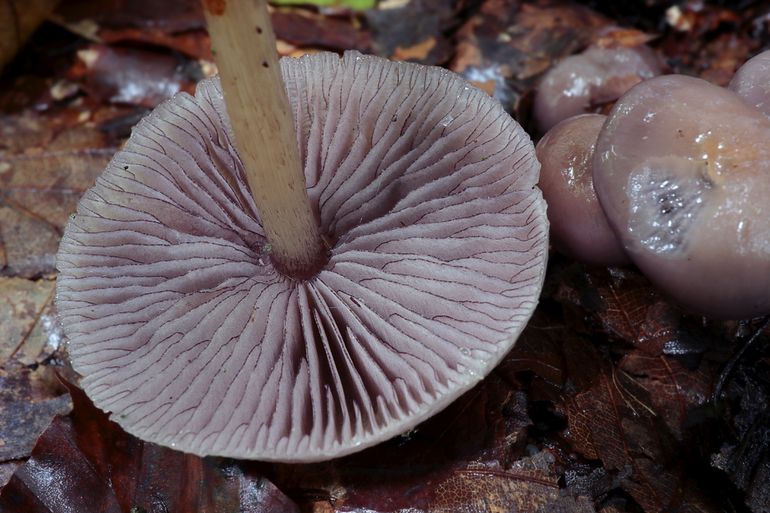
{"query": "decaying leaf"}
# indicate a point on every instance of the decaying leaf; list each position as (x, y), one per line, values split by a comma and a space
(45, 165)
(29, 400)
(507, 44)
(22, 306)
(530, 484)
(86, 463)
(137, 77)
(745, 455)
(415, 30)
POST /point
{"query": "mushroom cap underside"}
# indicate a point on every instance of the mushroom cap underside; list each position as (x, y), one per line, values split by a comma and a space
(182, 328)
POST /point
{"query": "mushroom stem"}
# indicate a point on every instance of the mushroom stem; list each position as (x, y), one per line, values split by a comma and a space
(243, 42)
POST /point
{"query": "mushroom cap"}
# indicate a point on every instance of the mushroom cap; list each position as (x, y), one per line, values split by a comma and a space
(682, 170)
(578, 226)
(752, 82)
(598, 75)
(182, 328)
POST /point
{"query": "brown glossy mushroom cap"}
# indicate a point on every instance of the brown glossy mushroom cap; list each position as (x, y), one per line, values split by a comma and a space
(579, 228)
(752, 82)
(682, 170)
(598, 75)
(181, 327)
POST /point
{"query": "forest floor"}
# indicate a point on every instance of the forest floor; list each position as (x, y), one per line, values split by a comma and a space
(614, 400)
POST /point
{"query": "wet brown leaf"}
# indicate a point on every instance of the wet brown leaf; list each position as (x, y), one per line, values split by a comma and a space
(415, 31)
(45, 165)
(529, 485)
(673, 390)
(180, 26)
(131, 76)
(29, 400)
(511, 43)
(307, 29)
(625, 304)
(85, 463)
(614, 423)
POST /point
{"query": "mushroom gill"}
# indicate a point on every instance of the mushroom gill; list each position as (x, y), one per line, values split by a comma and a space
(183, 329)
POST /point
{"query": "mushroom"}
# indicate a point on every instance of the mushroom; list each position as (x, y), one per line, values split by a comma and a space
(579, 228)
(423, 259)
(598, 75)
(682, 170)
(752, 82)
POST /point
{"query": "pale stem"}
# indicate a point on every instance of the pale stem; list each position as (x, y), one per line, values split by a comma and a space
(243, 43)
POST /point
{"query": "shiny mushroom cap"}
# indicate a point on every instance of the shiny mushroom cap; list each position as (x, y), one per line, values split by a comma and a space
(579, 228)
(752, 82)
(682, 170)
(581, 82)
(183, 329)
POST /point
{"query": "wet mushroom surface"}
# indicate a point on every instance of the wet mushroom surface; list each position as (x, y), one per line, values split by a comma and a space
(578, 225)
(184, 330)
(752, 82)
(682, 170)
(584, 81)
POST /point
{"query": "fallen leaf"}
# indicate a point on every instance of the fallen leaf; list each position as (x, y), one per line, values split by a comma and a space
(418, 27)
(45, 166)
(22, 304)
(530, 484)
(625, 304)
(416, 52)
(512, 43)
(615, 424)
(674, 390)
(85, 452)
(28, 402)
(136, 77)
(307, 29)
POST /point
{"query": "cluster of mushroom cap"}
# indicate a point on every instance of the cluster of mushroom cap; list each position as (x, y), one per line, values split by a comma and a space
(181, 326)
(676, 178)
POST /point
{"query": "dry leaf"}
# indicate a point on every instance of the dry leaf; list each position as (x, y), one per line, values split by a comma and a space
(22, 304)
(45, 166)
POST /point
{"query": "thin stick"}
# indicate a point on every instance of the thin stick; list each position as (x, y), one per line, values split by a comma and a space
(244, 47)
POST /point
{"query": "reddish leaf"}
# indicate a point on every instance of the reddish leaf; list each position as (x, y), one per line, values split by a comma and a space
(306, 29)
(137, 77)
(85, 463)
(674, 391)
(530, 484)
(509, 43)
(625, 304)
(613, 423)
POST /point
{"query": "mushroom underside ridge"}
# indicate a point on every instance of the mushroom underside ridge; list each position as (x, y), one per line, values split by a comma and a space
(182, 328)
